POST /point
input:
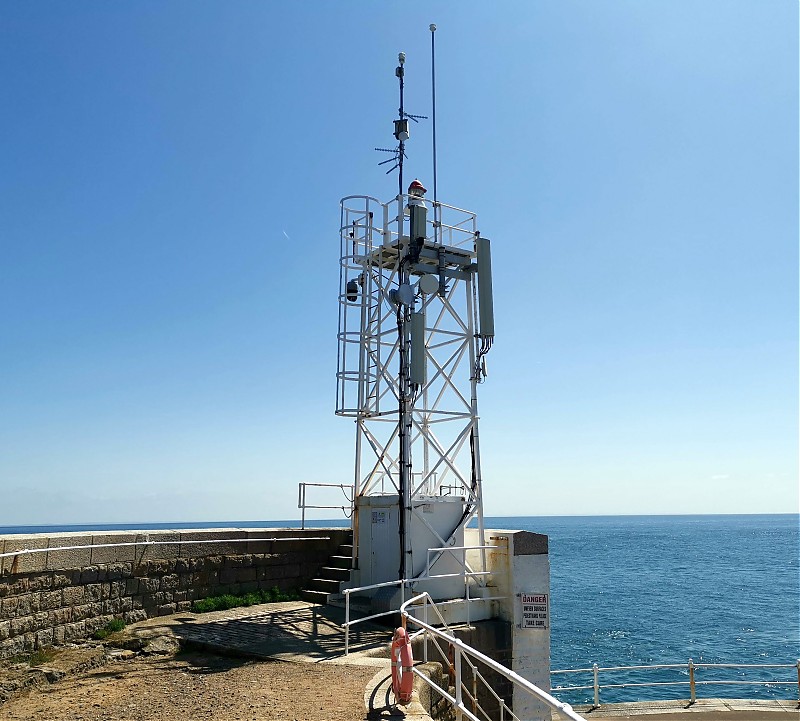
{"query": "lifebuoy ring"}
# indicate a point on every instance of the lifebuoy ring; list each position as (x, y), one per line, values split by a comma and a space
(402, 663)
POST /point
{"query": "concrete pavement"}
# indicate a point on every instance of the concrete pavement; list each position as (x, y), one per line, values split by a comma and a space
(288, 631)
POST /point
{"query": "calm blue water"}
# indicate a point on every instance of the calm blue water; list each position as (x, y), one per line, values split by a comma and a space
(631, 590)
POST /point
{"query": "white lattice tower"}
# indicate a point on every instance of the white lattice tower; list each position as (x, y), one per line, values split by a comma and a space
(444, 454)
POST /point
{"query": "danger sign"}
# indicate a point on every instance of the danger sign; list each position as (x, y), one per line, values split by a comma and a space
(535, 610)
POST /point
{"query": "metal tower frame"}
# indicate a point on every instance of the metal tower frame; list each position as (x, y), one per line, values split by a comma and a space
(375, 377)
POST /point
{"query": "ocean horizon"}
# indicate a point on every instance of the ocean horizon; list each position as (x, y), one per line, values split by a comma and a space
(641, 590)
(6, 530)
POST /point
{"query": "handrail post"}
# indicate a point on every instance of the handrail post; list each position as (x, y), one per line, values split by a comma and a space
(425, 618)
(457, 664)
(347, 623)
(301, 504)
(467, 584)
(692, 694)
(798, 680)
(474, 689)
(596, 686)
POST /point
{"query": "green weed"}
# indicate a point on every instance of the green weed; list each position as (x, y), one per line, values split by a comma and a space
(37, 658)
(113, 626)
(227, 600)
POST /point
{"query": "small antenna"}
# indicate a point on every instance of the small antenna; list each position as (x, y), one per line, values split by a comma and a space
(401, 126)
(401, 131)
(436, 209)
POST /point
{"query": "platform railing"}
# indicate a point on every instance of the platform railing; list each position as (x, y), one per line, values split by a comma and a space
(302, 504)
(348, 623)
(403, 583)
(441, 550)
(691, 677)
(477, 676)
(464, 652)
(467, 599)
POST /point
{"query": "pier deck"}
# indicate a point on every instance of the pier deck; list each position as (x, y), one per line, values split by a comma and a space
(289, 631)
(304, 632)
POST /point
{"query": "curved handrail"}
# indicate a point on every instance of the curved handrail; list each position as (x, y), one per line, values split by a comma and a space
(462, 648)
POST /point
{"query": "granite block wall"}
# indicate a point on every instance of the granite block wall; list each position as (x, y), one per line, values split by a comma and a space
(59, 596)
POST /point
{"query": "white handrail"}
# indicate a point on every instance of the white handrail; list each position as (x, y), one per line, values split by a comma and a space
(476, 674)
(402, 583)
(691, 681)
(462, 648)
(441, 549)
(347, 622)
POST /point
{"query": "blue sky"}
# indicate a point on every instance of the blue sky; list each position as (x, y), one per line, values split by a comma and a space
(169, 219)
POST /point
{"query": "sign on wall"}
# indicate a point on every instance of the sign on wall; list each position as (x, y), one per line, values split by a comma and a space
(535, 610)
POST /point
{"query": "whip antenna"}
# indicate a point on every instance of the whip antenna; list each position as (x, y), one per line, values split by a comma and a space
(436, 210)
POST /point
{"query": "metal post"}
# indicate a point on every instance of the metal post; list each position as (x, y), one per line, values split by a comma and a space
(425, 619)
(404, 419)
(692, 694)
(798, 680)
(474, 689)
(403, 316)
(432, 28)
(347, 623)
(466, 578)
(596, 686)
(301, 501)
(457, 664)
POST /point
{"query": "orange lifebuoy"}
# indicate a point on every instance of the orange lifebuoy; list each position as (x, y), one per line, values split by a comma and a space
(402, 663)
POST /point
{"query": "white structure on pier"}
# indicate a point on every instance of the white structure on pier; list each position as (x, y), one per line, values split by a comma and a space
(415, 322)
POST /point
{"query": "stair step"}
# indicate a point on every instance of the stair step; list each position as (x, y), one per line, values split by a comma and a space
(338, 574)
(314, 596)
(325, 585)
(320, 590)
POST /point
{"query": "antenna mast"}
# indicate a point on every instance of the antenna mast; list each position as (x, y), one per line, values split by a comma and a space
(403, 317)
(401, 125)
(436, 211)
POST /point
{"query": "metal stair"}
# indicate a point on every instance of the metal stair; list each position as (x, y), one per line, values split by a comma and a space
(331, 575)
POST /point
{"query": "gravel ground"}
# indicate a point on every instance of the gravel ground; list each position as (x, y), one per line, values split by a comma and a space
(198, 686)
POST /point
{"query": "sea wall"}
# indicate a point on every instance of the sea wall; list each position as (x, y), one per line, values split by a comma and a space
(56, 596)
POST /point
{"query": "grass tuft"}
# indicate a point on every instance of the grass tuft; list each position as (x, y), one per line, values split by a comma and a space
(37, 658)
(227, 600)
(113, 626)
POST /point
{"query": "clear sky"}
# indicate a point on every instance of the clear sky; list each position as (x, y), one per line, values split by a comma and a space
(169, 216)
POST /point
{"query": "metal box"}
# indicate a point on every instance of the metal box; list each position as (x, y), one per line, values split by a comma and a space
(379, 542)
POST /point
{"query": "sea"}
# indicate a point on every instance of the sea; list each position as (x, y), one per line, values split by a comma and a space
(645, 590)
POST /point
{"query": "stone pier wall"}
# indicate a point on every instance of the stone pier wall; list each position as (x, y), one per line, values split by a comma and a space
(53, 597)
